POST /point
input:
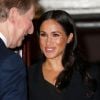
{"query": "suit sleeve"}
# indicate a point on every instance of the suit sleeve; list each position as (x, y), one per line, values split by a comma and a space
(13, 79)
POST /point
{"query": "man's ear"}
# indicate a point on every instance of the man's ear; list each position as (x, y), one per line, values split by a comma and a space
(70, 38)
(13, 13)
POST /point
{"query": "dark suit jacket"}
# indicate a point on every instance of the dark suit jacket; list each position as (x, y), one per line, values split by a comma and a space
(12, 75)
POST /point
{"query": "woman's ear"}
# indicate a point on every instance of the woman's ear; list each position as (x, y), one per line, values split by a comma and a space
(70, 38)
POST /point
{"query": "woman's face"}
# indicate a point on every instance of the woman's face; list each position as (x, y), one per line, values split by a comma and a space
(52, 39)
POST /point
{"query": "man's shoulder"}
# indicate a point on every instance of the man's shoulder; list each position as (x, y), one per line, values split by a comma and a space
(10, 58)
(6, 53)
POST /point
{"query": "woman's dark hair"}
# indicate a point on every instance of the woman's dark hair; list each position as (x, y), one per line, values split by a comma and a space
(69, 56)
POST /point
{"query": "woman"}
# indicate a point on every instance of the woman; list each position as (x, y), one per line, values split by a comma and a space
(58, 76)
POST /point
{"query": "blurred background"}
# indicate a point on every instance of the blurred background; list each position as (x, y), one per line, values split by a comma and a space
(86, 14)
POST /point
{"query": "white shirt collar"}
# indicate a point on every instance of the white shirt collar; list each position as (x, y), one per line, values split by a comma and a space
(3, 38)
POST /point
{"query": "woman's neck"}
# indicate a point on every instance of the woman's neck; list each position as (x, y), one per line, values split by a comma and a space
(51, 70)
(55, 65)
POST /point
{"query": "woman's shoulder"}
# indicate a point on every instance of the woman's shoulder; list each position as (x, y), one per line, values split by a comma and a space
(95, 73)
(35, 68)
(95, 70)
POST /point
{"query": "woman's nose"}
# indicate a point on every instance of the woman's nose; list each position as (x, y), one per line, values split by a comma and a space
(49, 40)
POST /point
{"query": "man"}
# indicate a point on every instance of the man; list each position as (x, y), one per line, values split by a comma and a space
(15, 22)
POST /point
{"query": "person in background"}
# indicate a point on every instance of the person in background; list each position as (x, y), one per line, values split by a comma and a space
(15, 23)
(61, 73)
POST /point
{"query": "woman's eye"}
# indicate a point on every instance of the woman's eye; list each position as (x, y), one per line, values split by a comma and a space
(56, 35)
(42, 34)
